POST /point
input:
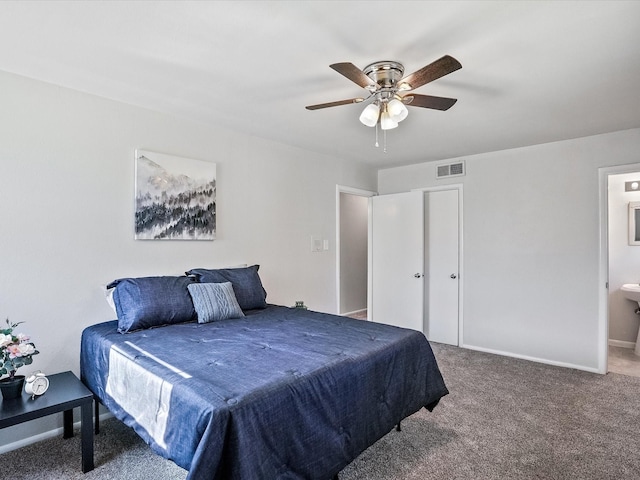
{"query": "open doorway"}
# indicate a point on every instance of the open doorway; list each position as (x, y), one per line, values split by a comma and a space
(352, 230)
(624, 265)
(619, 264)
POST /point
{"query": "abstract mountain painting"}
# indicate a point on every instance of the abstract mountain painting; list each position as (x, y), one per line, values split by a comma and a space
(175, 198)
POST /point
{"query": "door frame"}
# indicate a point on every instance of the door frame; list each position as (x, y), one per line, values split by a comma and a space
(460, 188)
(351, 191)
(603, 275)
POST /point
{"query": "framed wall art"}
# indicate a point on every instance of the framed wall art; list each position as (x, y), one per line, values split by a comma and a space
(175, 198)
(634, 223)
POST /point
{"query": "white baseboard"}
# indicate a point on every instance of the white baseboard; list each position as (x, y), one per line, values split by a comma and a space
(621, 343)
(347, 314)
(533, 359)
(44, 436)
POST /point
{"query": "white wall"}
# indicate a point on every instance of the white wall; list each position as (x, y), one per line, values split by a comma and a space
(66, 213)
(624, 260)
(354, 231)
(531, 244)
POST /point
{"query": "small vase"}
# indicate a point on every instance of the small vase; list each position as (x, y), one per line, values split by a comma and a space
(11, 388)
(300, 304)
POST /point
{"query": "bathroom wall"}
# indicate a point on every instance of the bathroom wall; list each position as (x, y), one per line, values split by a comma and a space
(624, 262)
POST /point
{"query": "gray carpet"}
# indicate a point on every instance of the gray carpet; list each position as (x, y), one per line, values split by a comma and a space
(504, 419)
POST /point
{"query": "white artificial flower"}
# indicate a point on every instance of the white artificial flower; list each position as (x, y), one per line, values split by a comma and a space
(26, 349)
(5, 340)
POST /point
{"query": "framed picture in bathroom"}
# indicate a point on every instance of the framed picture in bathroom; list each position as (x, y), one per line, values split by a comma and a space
(634, 223)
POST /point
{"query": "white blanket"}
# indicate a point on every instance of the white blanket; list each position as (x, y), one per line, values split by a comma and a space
(143, 395)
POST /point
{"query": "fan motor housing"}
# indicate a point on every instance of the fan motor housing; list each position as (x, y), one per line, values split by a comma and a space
(385, 73)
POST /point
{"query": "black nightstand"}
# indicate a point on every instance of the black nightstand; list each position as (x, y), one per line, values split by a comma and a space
(64, 394)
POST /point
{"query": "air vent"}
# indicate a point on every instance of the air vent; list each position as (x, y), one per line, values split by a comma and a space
(450, 170)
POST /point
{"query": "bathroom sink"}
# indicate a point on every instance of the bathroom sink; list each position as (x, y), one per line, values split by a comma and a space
(631, 291)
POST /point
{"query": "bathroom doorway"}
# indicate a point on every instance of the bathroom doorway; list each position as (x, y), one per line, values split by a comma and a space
(623, 266)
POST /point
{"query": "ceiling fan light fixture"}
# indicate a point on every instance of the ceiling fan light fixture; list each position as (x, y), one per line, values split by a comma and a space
(387, 122)
(397, 110)
(388, 86)
(370, 115)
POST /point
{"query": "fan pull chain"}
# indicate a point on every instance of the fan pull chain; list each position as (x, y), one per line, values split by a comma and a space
(384, 139)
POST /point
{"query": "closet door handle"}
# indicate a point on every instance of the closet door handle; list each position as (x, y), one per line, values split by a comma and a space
(454, 276)
(418, 275)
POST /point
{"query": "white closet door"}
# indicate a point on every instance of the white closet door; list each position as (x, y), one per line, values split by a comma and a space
(442, 260)
(396, 257)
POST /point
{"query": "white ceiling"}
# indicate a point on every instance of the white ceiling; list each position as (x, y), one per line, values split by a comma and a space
(533, 71)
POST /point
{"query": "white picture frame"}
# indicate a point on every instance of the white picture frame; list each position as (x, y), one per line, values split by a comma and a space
(634, 223)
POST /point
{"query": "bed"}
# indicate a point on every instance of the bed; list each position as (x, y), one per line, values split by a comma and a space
(277, 393)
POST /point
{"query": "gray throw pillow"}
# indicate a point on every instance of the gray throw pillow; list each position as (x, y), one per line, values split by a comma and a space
(214, 301)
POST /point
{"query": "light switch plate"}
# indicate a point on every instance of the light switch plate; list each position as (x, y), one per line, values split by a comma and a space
(316, 243)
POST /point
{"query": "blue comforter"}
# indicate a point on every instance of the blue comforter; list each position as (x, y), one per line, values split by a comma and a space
(280, 394)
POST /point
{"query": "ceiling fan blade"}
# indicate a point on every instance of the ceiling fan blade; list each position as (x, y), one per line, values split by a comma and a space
(334, 104)
(428, 101)
(354, 74)
(431, 72)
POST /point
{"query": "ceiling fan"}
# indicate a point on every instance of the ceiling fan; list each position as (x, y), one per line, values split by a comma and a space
(388, 90)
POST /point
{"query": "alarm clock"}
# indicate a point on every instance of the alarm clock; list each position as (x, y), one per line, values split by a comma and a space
(36, 384)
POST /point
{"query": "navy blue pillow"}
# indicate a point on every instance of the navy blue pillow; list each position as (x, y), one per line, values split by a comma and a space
(246, 284)
(152, 301)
